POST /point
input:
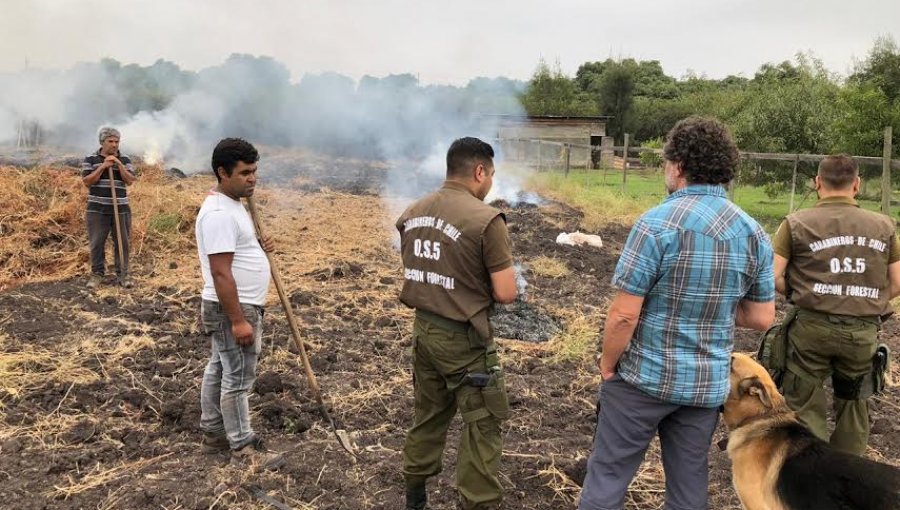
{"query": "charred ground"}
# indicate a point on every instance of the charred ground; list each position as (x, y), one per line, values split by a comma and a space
(99, 401)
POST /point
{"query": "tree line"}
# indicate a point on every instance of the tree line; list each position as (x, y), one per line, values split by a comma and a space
(795, 106)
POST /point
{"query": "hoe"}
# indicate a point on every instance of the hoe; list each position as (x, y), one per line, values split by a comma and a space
(341, 434)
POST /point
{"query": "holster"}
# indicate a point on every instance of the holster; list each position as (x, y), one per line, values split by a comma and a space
(773, 347)
(881, 368)
(491, 387)
(866, 385)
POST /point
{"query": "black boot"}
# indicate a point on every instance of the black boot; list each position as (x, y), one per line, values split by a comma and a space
(416, 497)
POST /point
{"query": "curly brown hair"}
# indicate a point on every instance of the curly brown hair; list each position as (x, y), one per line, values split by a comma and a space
(704, 148)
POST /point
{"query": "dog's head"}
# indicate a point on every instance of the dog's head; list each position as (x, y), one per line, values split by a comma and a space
(752, 393)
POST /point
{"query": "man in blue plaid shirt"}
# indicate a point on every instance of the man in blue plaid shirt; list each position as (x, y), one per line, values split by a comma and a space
(693, 268)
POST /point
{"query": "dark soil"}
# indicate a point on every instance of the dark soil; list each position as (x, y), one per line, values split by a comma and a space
(523, 321)
(346, 175)
(144, 404)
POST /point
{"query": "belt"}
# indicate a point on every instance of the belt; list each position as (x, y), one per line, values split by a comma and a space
(442, 322)
(847, 320)
(218, 306)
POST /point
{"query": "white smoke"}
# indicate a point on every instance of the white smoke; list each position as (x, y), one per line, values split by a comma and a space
(9, 122)
(178, 136)
(153, 134)
(174, 117)
(510, 186)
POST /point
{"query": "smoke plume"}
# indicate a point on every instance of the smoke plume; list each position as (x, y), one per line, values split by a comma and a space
(175, 117)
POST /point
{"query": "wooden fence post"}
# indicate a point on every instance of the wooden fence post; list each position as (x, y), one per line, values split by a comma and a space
(540, 157)
(568, 157)
(886, 172)
(732, 185)
(737, 175)
(794, 184)
(625, 163)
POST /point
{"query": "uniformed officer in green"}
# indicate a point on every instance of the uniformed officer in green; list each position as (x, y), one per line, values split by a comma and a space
(840, 266)
(457, 263)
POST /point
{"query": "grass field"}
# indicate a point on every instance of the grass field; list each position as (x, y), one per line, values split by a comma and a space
(599, 195)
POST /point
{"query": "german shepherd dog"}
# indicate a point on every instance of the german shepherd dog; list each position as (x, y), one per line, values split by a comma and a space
(778, 464)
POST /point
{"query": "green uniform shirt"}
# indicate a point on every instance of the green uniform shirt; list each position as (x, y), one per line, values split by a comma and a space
(781, 243)
(450, 243)
(838, 257)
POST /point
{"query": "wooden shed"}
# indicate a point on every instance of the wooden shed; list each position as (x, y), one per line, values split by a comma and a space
(581, 132)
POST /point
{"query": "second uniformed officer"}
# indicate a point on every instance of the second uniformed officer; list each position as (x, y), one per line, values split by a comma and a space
(840, 266)
(457, 263)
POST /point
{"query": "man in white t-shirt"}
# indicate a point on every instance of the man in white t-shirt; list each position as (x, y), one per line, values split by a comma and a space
(235, 285)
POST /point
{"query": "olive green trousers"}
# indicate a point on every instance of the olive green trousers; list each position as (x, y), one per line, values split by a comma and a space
(445, 358)
(837, 347)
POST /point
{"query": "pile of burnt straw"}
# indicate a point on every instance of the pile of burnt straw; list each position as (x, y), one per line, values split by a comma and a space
(523, 321)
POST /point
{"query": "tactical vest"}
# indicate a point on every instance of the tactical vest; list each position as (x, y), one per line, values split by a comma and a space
(839, 260)
(441, 248)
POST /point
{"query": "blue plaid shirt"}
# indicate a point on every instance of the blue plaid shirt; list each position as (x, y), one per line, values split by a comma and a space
(692, 258)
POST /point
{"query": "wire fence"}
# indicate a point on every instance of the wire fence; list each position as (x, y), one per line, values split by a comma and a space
(774, 173)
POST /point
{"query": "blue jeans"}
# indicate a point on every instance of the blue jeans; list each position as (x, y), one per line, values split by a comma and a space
(627, 421)
(229, 375)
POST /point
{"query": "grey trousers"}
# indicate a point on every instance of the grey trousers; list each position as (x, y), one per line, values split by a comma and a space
(229, 375)
(626, 423)
(100, 227)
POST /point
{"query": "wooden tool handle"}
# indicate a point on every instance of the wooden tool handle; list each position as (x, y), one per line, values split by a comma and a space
(286, 304)
(117, 219)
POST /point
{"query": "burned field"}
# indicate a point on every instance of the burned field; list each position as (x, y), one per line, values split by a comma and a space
(99, 390)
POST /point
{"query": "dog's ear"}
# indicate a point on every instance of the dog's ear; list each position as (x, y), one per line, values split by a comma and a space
(753, 386)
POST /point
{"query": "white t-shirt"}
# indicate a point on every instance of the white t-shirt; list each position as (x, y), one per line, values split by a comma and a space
(224, 226)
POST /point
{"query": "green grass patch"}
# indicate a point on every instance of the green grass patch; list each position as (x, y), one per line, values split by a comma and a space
(600, 203)
(603, 198)
(165, 224)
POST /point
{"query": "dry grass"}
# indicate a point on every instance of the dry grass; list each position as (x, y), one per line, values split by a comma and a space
(99, 478)
(40, 224)
(599, 205)
(565, 489)
(319, 237)
(26, 370)
(579, 339)
(43, 237)
(42, 230)
(548, 267)
(373, 396)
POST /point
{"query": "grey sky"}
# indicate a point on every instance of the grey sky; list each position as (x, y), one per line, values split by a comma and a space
(444, 42)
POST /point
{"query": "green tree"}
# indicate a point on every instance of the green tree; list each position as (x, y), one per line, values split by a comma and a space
(654, 117)
(870, 101)
(588, 74)
(864, 112)
(788, 108)
(881, 68)
(652, 159)
(550, 92)
(495, 95)
(616, 98)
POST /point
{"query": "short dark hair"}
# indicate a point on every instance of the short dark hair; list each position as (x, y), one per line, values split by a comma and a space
(466, 152)
(838, 171)
(704, 148)
(231, 150)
